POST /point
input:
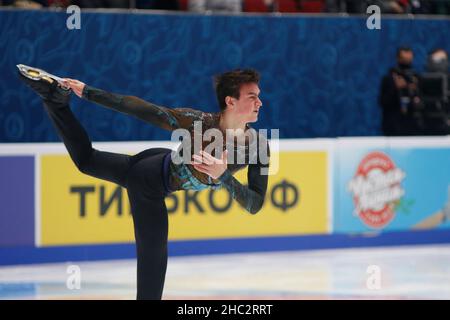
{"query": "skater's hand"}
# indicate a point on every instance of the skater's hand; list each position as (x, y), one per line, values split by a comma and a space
(210, 165)
(76, 86)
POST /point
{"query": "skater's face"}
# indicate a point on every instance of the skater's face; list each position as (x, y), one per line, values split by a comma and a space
(246, 108)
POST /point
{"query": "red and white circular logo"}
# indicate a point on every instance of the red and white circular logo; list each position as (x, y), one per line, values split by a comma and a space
(376, 189)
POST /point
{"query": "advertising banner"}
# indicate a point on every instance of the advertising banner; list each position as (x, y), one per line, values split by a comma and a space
(16, 200)
(78, 209)
(391, 189)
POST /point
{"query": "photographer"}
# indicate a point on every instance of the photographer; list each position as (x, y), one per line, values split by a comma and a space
(436, 94)
(399, 97)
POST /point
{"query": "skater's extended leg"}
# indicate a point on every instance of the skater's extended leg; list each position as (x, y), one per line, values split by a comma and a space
(104, 165)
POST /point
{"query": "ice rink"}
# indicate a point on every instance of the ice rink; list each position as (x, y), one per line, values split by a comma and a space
(408, 272)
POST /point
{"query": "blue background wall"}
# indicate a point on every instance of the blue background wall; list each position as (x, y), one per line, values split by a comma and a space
(320, 75)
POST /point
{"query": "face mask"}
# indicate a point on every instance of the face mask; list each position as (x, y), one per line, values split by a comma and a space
(405, 66)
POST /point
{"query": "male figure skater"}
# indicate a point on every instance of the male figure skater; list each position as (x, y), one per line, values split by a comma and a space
(151, 175)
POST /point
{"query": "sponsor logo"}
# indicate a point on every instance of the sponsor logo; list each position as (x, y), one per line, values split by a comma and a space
(376, 189)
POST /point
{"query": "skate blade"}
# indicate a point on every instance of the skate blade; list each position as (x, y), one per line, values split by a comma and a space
(38, 74)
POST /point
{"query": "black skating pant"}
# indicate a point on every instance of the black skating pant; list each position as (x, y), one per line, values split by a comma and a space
(142, 176)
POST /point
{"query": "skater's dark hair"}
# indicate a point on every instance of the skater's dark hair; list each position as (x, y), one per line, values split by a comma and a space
(229, 84)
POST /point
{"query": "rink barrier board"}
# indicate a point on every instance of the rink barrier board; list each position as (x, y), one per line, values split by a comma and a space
(329, 238)
(30, 254)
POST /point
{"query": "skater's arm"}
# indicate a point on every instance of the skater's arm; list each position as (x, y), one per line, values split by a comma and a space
(250, 197)
(165, 118)
(162, 117)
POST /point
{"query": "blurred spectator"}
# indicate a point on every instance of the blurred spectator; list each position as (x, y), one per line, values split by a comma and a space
(59, 3)
(66, 3)
(418, 6)
(436, 94)
(349, 6)
(35, 4)
(439, 7)
(404, 6)
(157, 4)
(260, 5)
(102, 3)
(389, 6)
(399, 97)
(393, 6)
(215, 5)
(271, 5)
